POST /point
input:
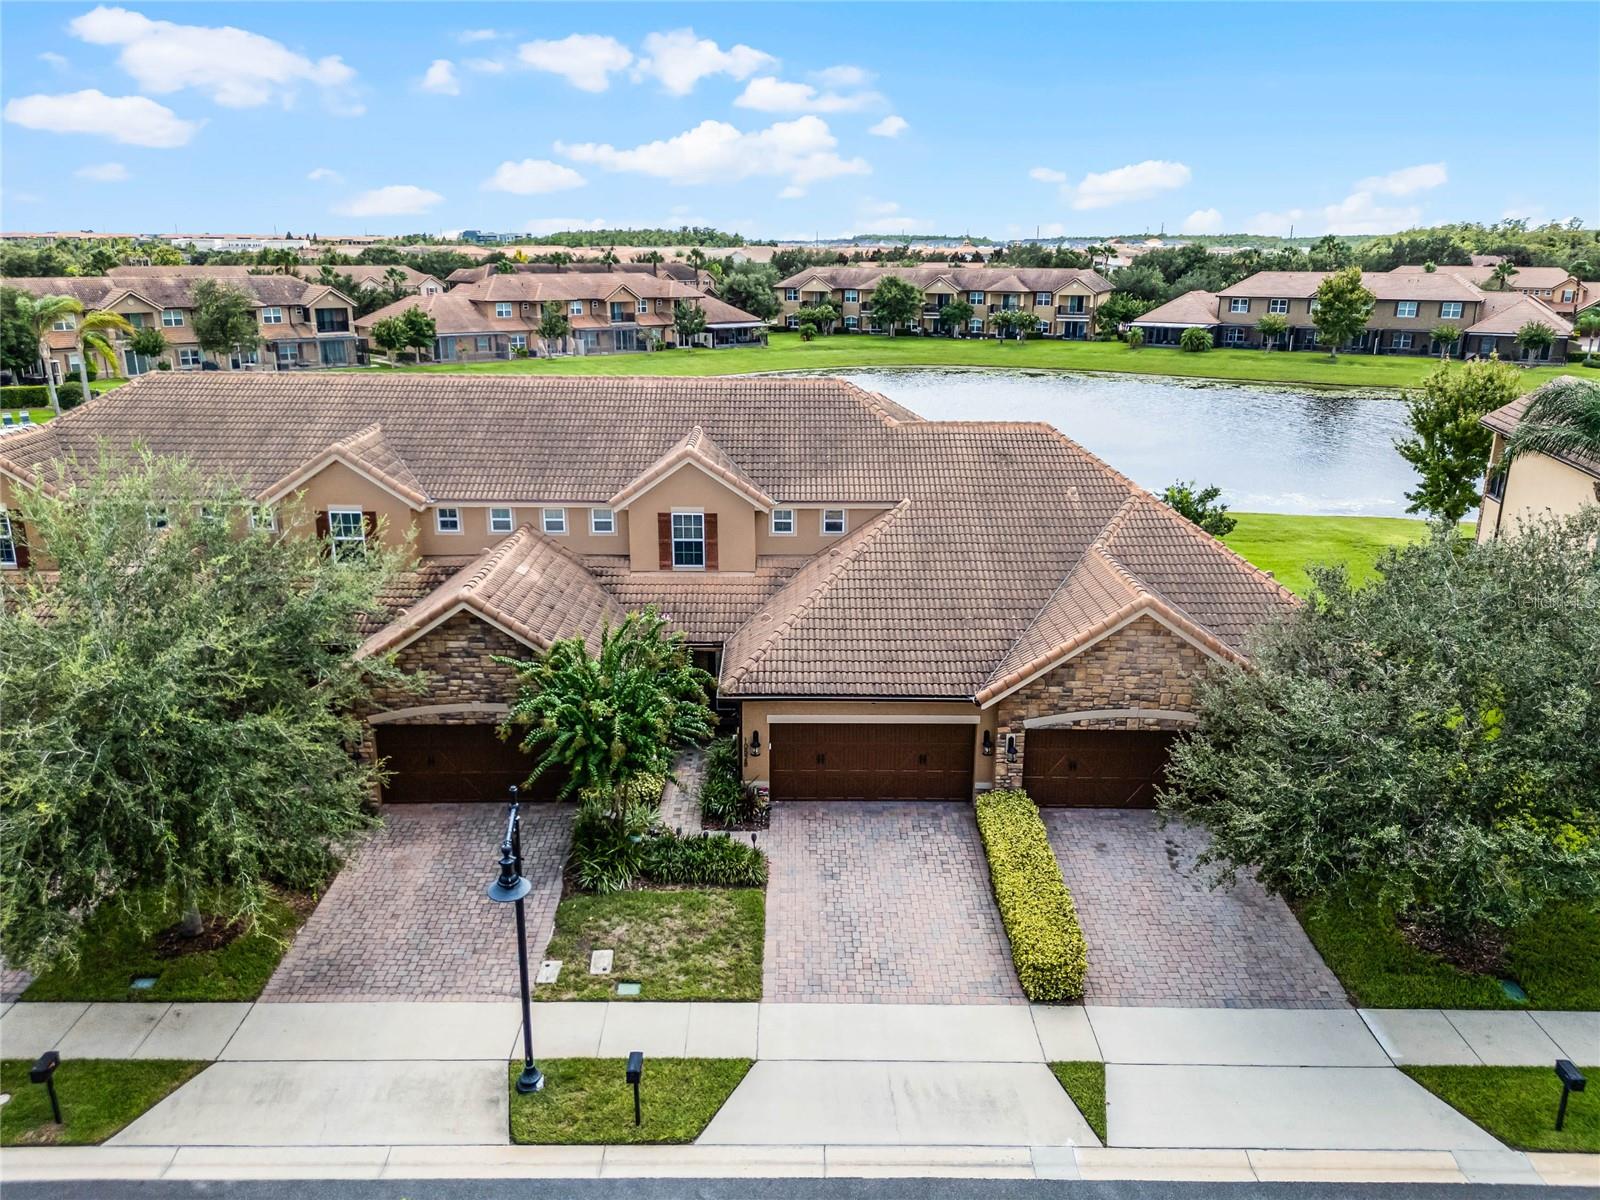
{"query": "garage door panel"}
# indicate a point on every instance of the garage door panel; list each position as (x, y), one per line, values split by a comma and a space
(821, 761)
(1095, 768)
(432, 764)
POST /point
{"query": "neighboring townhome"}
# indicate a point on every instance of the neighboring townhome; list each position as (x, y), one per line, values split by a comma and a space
(1533, 483)
(1063, 299)
(381, 276)
(302, 324)
(608, 313)
(1407, 307)
(1558, 288)
(895, 608)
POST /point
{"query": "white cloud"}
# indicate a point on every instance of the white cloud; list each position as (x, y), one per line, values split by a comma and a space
(236, 68)
(1406, 180)
(891, 126)
(560, 224)
(467, 36)
(133, 120)
(1203, 220)
(110, 172)
(533, 177)
(324, 175)
(791, 193)
(441, 78)
(767, 93)
(585, 60)
(484, 66)
(884, 216)
(1047, 175)
(1137, 181)
(802, 151)
(1359, 212)
(843, 76)
(678, 60)
(51, 58)
(396, 200)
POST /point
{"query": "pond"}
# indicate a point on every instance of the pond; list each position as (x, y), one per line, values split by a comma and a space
(1270, 448)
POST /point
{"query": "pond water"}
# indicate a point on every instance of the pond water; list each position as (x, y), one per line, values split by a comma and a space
(1270, 448)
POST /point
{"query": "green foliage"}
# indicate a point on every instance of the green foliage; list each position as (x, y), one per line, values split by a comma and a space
(224, 318)
(689, 320)
(752, 287)
(150, 342)
(1344, 306)
(1116, 310)
(1445, 336)
(1085, 1083)
(1195, 341)
(421, 330)
(1562, 417)
(820, 317)
(98, 1098)
(955, 315)
(1535, 337)
(702, 860)
(608, 847)
(178, 704)
(1449, 446)
(808, 331)
(1047, 944)
(19, 342)
(586, 1103)
(1432, 737)
(724, 799)
(1518, 1104)
(1200, 506)
(390, 335)
(1140, 282)
(895, 302)
(1588, 324)
(1013, 322)
(1331, 254)
(1272, 326)
(1134, 337)
(554, 325)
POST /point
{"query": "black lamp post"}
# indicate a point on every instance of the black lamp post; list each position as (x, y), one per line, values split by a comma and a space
(511, 888)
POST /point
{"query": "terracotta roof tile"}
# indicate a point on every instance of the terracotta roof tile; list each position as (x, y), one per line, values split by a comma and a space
(1198, 308)
(1507, 312)
(1505, 419)
(694, 447)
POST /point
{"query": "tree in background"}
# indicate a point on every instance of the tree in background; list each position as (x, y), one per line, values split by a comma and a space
(1500, 278)
(1588, 324)
(554, 326)
(224, 318)
(955, 315)
(19, 345)
(1449, 447)
(688, 321)
(39, 315)
(421, 331)
(1116, 310)
(178, 705)
(1200, 505)
(391, 336)
(1141, 282)
(1272, 326)
(1535, 339)
(1445, 337)
(1430, 740)
(751, 287)
(1344, 306)
(150, 343)
(1331, 254)
(895, 302)
(1195, 341)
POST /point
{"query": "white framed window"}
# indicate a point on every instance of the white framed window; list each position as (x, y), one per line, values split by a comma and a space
(447, 520)
(66, 322)
(1238, 304)
(975, 325)
(188, 357)
(519, 341)
(793, 322)
(643, 306)
(272, 315)
(782, 523)
(791, 293)
(1277, 306)
(172, 318)
(1567, 295)
(1405, 308)
(502, 308)
(851, 296)
(602, 521)
(1042, 299)
(1450, 309)
(575, 309)
(832, 520)
(264, 518)
(1402, 341)
(8, 543)
(553, 520)
(688, 541)
(974, 297)
(347, 532)
(852, 322)
(500, 520)
(1233, 336)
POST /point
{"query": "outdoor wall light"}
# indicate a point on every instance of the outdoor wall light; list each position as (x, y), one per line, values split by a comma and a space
(1011, 747)
(755, 743)
(988, 744)
(635, 1074)
(1572, 1080)
(44, 1071)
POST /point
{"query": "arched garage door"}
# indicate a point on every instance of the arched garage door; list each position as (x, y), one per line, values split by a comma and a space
(1095, 768)
(872, 762)
(438, 764)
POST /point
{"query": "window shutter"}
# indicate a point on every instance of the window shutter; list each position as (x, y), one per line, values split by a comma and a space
(369, 525)
(19, 540)
(322, 525)
(711, 541)
(664, 537)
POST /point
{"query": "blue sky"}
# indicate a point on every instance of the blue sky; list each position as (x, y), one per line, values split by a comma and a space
(784, 121)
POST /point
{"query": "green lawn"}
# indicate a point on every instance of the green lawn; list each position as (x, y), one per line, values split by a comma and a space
(1518, 1104)
(115, 951)
(678, 945)
(846, 352)
(1286, 545)
(1556, 959)
(1085, 1083)
(98, 1097)
(587, 1101)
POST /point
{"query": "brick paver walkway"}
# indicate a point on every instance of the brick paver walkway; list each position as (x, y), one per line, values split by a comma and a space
(1159, 936)
(882, 903)
(407, 918)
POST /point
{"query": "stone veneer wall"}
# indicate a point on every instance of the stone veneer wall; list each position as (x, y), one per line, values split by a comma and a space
(1141, 665)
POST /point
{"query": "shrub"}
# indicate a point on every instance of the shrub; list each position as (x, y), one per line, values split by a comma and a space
(724, 799)
(1195, 341)
(608, 843)
(1135, 338)
(26, 395)
(640, 790)
(702, 860)
(1047, 946)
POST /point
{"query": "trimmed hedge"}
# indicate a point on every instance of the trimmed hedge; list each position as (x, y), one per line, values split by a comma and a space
(1047, 946)
(36, 395)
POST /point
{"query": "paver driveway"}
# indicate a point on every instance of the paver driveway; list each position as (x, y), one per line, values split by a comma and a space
(1159, 936)
(882, 903)
(407, 918)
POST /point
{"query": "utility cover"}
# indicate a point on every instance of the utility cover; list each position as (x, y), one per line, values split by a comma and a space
(143, 983)
(549, 971)
(600, 962)
(627, 989)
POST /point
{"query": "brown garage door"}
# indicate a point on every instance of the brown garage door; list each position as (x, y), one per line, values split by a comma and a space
(1094, 768)
(872, 762)
(431, 764)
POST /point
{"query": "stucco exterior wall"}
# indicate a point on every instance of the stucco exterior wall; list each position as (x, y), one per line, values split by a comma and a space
(1135, 678)
(337, 486)
(808, 538)
(691, 488)
(476, 537)
(1535, 486)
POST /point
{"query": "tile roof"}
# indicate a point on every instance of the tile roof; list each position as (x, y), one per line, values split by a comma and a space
(988, 279)
(1192, 308)
(452, 313)
(1505, 419)
(1507, 312)
(1525, 277)
(1384, 285)
(696, 448)
(707, 607)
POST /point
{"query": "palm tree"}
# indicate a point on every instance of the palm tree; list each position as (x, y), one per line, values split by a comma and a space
(1502, 273)
(609, 258)
(396, 279)
(39, 315)
(1588, 326)
(1563, 417)
(92, 339)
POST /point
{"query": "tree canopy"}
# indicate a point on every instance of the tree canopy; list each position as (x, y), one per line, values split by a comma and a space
(1449, 446)
(224, 318)
(1344, 306)
(895, 302)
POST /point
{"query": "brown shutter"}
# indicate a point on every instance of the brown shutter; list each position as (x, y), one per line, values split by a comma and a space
(369, 525)
(664, 537)
(711, 541)
(322, 525)
(19, 541)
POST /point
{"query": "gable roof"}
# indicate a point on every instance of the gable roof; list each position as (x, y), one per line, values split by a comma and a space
(968, 279)
(1504, 421)
(694, 449)
(366, 452)
(1507, 312)
(452, 313)
(1197, 308)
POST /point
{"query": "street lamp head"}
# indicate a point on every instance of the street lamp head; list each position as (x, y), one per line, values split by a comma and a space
(510, 886)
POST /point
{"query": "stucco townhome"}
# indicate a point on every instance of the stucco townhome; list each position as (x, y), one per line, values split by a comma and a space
(1533, 485)
(895, 608)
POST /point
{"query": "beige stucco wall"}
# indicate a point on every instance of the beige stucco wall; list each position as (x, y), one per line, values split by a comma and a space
(756, 717)
(337, 486)
(475, 536)
(691, 488)
(1535, 486)
(808, 538)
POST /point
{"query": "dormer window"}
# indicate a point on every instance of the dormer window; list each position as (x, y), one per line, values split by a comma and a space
(272, 315)
(832, 521)
(688, 541)
(783, 522)
(502, 308)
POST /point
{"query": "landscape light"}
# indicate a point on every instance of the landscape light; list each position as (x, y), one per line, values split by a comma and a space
(44, 1071)
(636, 1073)
(1572, 1080)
